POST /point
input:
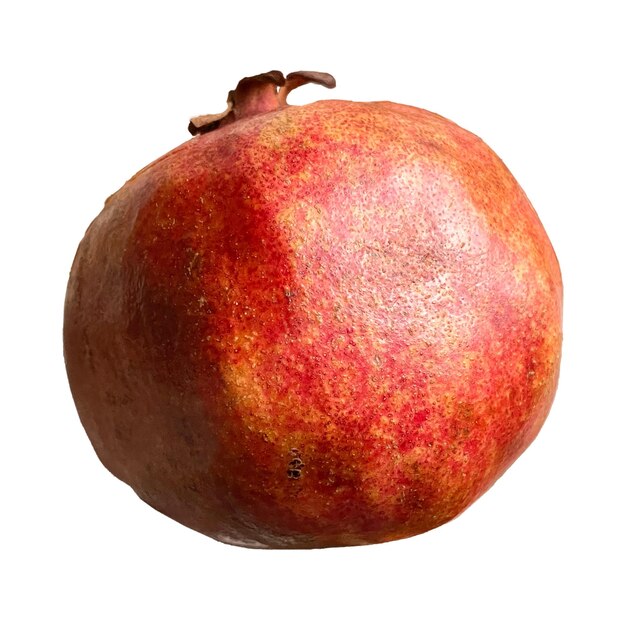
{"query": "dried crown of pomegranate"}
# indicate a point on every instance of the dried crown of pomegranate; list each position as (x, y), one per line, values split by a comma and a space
(258, 94)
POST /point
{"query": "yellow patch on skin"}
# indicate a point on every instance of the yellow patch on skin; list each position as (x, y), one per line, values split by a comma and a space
(288, 216)
(242, 386)
(299, 224)
(521, 269)
(304, 176)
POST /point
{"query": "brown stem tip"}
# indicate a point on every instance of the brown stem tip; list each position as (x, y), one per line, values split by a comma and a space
(257, 95)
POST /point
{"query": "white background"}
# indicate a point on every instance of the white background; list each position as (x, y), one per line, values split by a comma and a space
(94, 91)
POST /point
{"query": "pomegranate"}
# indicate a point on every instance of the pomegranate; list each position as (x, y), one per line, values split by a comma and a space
(310, 326)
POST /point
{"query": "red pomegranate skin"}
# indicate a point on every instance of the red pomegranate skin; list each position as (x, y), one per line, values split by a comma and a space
(326, 325)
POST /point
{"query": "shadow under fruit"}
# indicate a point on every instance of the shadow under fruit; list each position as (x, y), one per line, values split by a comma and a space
(312, 326)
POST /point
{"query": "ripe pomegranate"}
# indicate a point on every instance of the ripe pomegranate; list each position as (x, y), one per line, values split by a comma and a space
(332, 324)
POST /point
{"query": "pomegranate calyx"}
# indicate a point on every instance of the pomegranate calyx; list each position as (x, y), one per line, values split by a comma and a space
(258, 94)
(299, 78)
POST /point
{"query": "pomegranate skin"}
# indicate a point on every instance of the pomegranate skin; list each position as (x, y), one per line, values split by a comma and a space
(327, 325)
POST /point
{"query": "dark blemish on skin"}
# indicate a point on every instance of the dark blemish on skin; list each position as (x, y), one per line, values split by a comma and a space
(294, 470)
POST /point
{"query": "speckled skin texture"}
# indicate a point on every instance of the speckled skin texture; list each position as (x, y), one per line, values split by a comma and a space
(327, 325)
